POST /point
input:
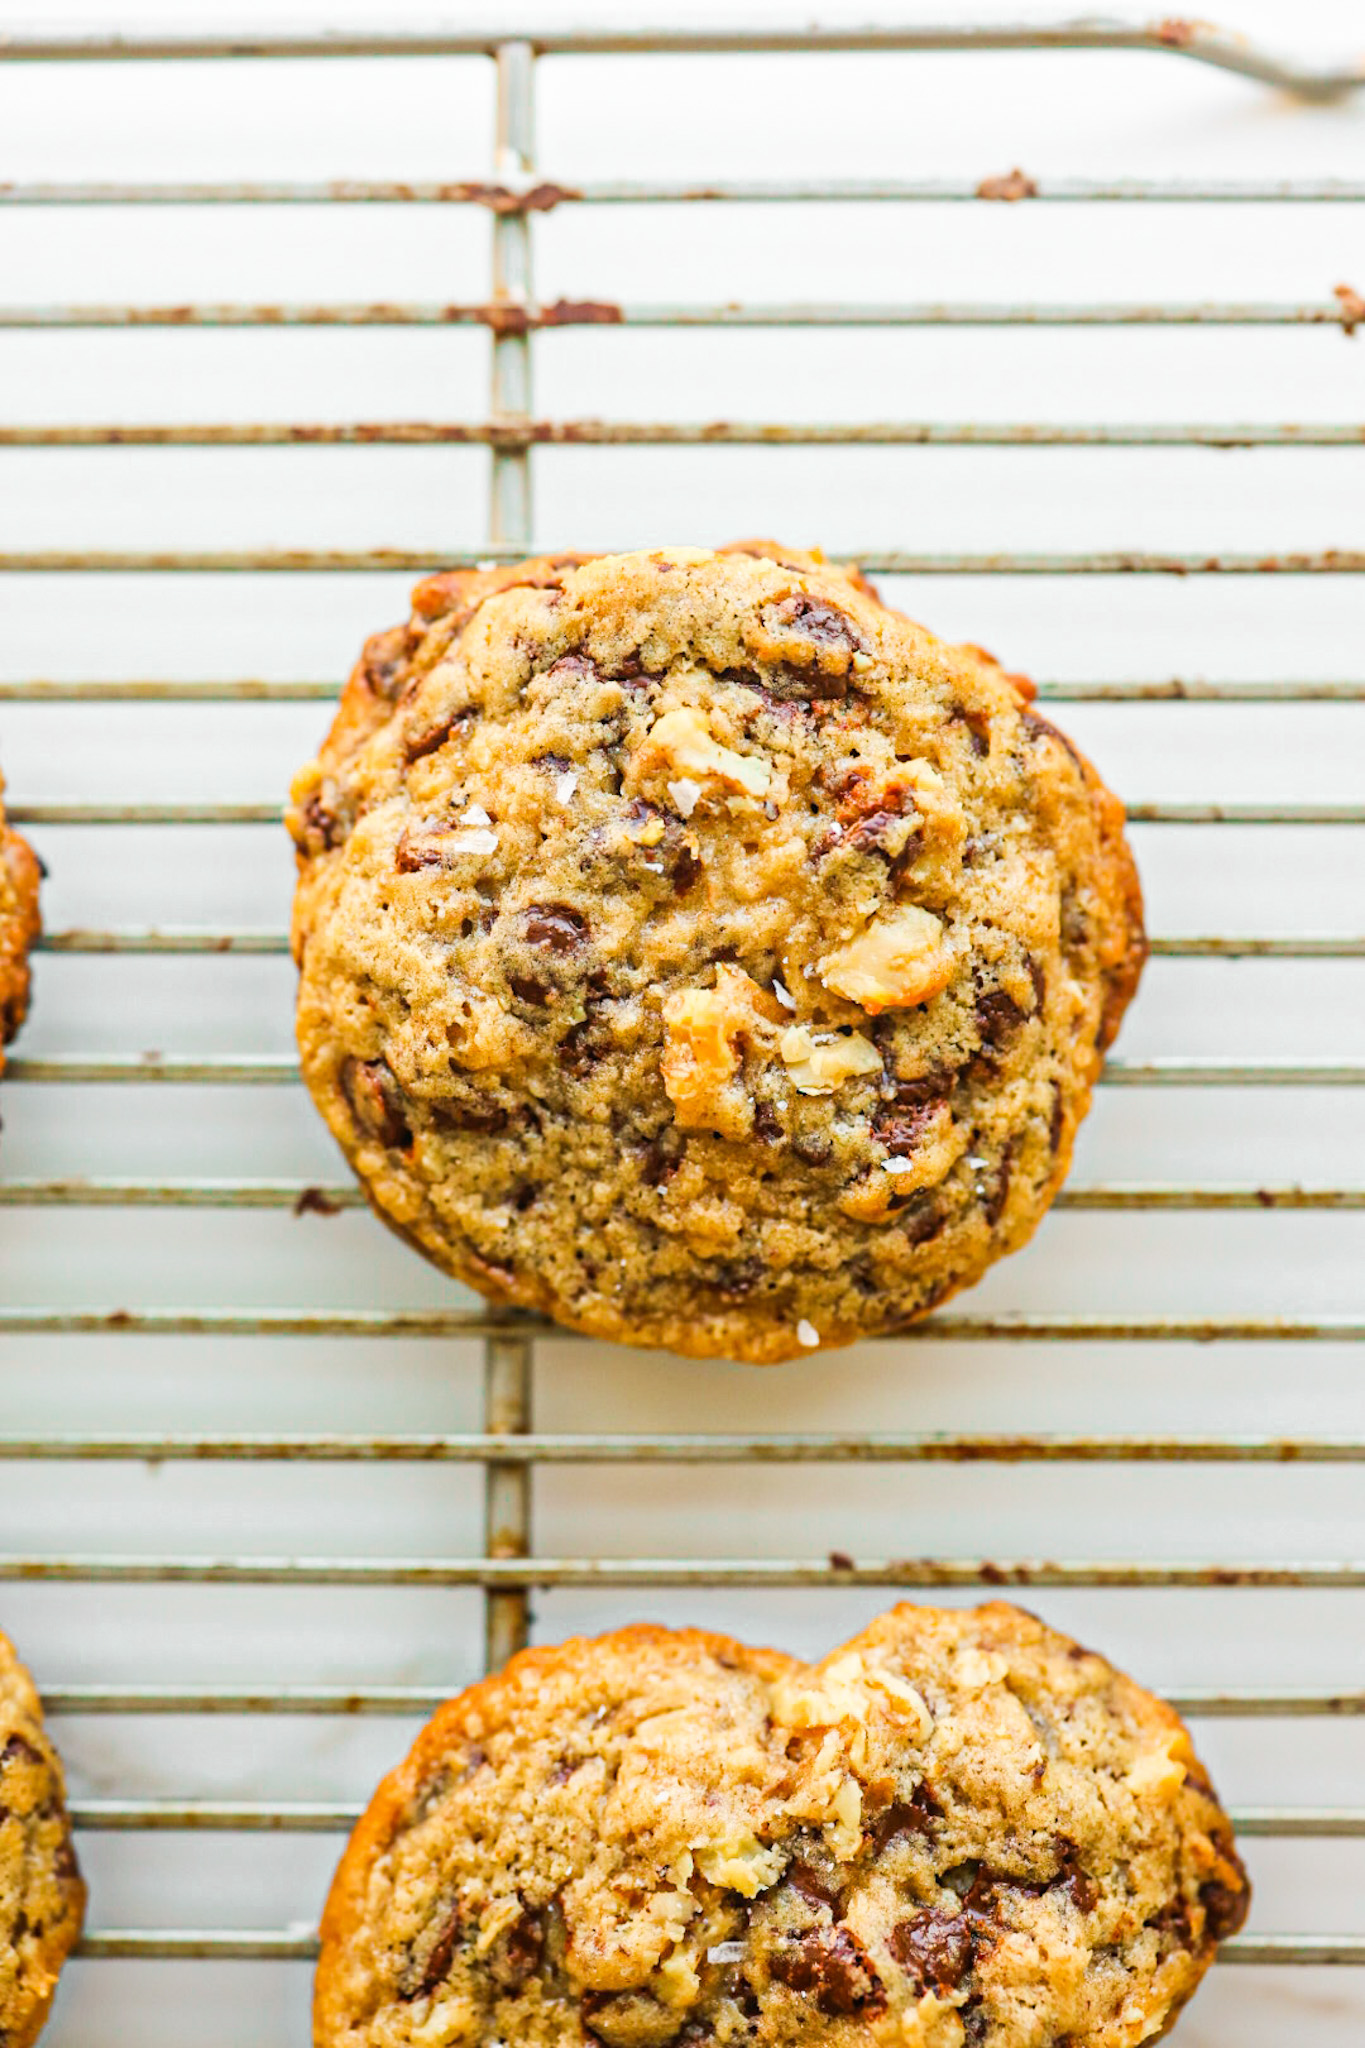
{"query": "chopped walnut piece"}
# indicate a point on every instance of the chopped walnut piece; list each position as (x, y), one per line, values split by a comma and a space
(701, 1057)
(900, 960)
(817, 1066)
(681, 741)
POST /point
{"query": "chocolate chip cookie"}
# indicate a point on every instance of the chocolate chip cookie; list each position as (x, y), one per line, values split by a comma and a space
(42, 1899)
(959, 1828)
(699, 951)
(19, 926)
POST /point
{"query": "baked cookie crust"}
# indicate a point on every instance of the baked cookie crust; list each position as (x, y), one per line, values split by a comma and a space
(42, 1898)
(959, 1828)
(20, 925)
(698, 951)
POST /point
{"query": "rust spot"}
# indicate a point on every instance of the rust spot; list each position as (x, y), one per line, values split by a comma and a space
(313, 1202)
(1015, 184)
(1352, 308)
(502, 200)
(840, 1561)
(580, 313)
(504, 318)
(1175, 34)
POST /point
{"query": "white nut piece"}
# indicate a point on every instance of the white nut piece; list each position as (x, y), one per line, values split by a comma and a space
(819, 1065)
(682, 740)
(900, 960)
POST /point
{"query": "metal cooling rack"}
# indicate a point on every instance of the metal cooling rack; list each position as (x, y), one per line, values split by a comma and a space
(507, 1448)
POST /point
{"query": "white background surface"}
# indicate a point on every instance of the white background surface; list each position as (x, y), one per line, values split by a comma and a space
(606, 118)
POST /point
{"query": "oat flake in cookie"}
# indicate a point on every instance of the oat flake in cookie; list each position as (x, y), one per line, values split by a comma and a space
(960, 1828)
(19, 927)
(42, 1899)
(698, 951)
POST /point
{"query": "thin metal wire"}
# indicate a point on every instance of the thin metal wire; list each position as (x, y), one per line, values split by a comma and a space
(677, 434)
(524, 316)
(1202, 42)
(80, 812)
(877, 561)
(279, 1069)
(321, 1817)
(416, 1702)
(490, 1322)
(41, 690)
(284, 1945)
(713, 1573)
(813, 1448)
(311, 1197)
(509, 194)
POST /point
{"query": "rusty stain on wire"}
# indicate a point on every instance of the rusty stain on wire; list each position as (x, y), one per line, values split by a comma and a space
(513, 317)
(890, 562)
(590, 433)
(257, 690)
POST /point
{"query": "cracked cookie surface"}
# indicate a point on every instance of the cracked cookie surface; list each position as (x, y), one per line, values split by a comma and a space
(42, 1898)
(959, 1828)
(698, 951)
(19, 926)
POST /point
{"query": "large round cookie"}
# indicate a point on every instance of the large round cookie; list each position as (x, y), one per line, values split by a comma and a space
(42, 1899)
(19, 926)
(698, 951)
(959, 1828)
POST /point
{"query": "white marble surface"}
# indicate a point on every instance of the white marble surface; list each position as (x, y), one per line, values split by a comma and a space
(844, 116)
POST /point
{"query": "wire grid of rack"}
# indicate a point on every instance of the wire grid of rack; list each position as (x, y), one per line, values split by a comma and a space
(506, 1447)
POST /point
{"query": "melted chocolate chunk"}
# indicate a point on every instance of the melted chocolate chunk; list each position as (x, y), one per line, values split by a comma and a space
(662, 1157)
(828, 1962)
(920, 1814)
(529, 988)
(555, 926)
(998, 1192)
(998, 1017)
(1224, 1908)
(429, 741)
(736, 1279)
(936, 1948)
(1039, 728)
(18, 1749)
(815, 621)
(812, 1148)
(900, 1130)
(519, 1953)
(420, 1977)
(377, 1102)
(322, 828)
(808, 1882)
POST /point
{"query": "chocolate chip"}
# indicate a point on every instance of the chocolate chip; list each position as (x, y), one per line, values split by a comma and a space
(487, 1118)
(662, 1157)
(571, 666)
(377, 1102)
(994, 1207)
(813, 1148)
(18, 1749)
(1039, 980)
(1173, 1922)
(923, 1220)
(517, 1956)
(555, 926)
(819, 623)
(420, 848)
(1224, 1908)
(767, 1123)
(935, 1947)
(920, 1814)
(1039, 728)
(829, 1962)
(421, 1977)
(458, 725)
(998, 1017)
(978, 725)
(1057, 1120)
(684, 868)
(736, 1279)
(322, 828)
(800, 1876)
(529, 988)
(900, 1130)
(924, 1088)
